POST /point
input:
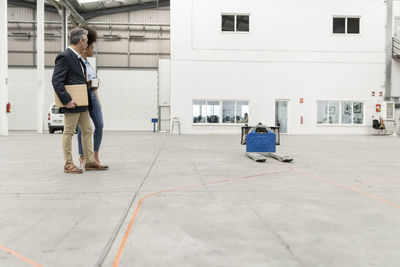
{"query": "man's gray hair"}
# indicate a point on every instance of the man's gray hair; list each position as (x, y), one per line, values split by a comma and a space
(77, 34)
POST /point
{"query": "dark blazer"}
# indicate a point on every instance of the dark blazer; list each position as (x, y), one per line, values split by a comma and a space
(68, 71)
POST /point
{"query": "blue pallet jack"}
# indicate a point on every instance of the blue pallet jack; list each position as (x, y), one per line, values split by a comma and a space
(261, 143)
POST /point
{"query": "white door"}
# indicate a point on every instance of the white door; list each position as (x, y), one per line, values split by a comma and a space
(281, 107)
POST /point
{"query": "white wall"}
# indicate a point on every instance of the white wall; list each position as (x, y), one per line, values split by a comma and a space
(129, 98)
(396, 64)
(289, 53)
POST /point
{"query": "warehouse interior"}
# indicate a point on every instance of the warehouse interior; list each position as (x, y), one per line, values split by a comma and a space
(231, 137)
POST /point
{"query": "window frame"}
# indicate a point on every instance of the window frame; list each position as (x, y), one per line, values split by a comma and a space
(221, 123)
(234, 22)
(346, 25)
(352, 124)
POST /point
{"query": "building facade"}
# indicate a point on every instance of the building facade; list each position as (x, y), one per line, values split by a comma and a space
(311, 67)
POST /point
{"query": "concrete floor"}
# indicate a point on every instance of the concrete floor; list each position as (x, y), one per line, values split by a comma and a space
(337, 204)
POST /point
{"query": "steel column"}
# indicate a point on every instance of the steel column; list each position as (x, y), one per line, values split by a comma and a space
(40, 65)
(3, 69)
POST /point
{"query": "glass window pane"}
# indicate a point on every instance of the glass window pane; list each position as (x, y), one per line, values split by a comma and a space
(353, 25)
(322, 113)
(228, 111)
(242, 23)
(358, 110)
(199, 111)
(55, 110)
(334, 112)
(339, 25)
(346, 112)
(242, 112)
(228, 23)
(213, 112)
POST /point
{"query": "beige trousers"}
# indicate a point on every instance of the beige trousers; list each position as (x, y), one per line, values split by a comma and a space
(70, 122)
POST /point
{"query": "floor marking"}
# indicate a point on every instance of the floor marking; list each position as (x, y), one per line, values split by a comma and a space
(352, 189)
(20, 256)
(132, 221)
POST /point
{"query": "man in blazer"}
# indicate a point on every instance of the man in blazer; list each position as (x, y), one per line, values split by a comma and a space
(69, 70)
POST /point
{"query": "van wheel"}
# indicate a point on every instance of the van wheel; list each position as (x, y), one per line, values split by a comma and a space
(51, 131)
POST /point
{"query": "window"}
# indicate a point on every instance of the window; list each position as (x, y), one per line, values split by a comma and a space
(213, 111)
(235, 23)
(346, 25)
(199, 111)
(228, 111)
(209, 111)
(336, 112)
(242, 23)
(242, 112)
(228, 23)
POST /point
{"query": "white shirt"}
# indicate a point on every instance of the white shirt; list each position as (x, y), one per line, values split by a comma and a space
(79, 56)
(90, 71)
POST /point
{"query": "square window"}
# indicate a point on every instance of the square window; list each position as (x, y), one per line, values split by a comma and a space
(228, 23)
(353, 25)
(242, 23)
(339, 25)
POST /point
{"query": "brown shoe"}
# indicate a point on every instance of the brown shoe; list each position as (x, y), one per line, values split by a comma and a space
(94, 166)
(71, 168)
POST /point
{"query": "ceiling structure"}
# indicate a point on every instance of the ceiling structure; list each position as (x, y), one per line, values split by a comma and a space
(82, 10)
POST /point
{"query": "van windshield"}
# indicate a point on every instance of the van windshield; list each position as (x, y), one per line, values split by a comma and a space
(55, 110)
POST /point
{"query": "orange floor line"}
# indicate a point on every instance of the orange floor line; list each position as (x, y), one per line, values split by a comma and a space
(352, 189)
(132, 221)
(20, 256)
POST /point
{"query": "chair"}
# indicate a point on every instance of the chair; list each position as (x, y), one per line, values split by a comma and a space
(379, 125)
(175, 120)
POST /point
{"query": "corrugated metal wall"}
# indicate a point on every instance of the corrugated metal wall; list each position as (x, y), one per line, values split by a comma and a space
(137, 45)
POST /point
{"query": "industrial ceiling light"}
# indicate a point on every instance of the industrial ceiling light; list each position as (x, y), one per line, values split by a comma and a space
(87, 1)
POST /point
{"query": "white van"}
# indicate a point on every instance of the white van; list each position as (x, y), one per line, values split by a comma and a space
(55, 119)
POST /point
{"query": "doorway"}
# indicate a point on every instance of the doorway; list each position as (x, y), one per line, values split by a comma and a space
(281, 108)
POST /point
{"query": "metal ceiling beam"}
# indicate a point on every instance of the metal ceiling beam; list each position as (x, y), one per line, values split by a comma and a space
(127, 8)
(55, 4)
(30, 5)
(77, 18)
(77, 6)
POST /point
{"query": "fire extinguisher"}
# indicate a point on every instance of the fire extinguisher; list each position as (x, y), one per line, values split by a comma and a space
(301, 119)
(8, 107)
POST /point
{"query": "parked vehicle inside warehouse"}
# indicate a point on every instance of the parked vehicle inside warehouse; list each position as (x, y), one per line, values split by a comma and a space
(55, 119)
